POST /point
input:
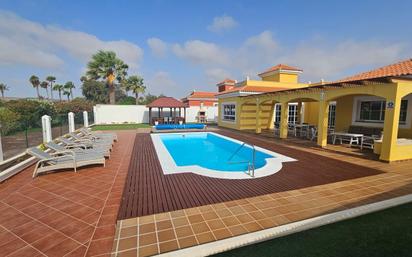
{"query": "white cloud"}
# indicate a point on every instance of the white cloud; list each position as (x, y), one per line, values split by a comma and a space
(162, 83)
(222, 23)
(200, 52)
(318, 58)
(322, 60)
(31, 43)
(158, 46)
(215, 75)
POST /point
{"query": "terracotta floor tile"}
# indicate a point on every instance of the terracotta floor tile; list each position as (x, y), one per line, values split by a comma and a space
(182, 221)
(176, 214)
(237, 230)
(187, 241)
(128, 231)
(222, 233)
(244, 218)
(215, 224)
(199, 228)
(27, 251)
(195, 218)
(62, 248)
(129, 253)
(166, 235)
(84, 235)
(98, 247)
(79, 251)
(104, 232)
(11, 246)
(162, 216)
(183, 231)
(164, 224)
(148, 250)
(223, 213)
(205, 237)
(168, 246)
(147, 228)
(252, 226)
(127, 243)
(147, 239)
(48, 241)
(211, 215)
(230, 221)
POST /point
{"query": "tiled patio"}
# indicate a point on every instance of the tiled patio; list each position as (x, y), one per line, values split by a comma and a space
(68, 214)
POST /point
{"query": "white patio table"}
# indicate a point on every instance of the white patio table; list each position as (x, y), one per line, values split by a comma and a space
(349, 137)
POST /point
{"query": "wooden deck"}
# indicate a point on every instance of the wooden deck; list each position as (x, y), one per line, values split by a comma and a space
(149, 191)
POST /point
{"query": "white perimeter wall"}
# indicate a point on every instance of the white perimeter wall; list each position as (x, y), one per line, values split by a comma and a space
(106, 114)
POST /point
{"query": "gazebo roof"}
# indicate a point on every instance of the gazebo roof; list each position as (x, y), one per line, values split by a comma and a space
(166, 102)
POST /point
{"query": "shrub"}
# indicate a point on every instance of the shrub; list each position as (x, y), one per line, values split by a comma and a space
(9, 121)
(128, 100)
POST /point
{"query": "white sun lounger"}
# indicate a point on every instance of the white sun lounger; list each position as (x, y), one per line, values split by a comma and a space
(62, 160)
(78, 150)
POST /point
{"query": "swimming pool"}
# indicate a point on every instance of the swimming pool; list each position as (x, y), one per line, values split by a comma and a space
(214, 155)
(179, 126)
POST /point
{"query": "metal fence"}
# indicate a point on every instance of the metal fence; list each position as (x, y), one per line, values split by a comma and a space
(16, 136)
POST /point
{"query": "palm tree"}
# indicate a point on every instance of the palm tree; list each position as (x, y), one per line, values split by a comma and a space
(3, 87)
(105, 65)
(67, 93)
(35, 82)
(135, 84)
(69, 87)
(51, 80)
(45, 85)
(59, 88)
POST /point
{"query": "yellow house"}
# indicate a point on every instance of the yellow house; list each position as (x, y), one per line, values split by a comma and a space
(235, 114)
(378, 100)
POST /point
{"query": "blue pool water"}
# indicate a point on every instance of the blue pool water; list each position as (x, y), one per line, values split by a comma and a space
(210, 151)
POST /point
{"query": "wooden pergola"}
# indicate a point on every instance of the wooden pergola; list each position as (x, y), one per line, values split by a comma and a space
(175, 106)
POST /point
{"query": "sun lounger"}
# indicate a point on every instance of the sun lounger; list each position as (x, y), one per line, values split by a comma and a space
(78, 150)
(62, 160)
(84, 143)
(91, 140)
(88, 132)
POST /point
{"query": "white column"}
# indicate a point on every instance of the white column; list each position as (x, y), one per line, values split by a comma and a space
(71, 122)
(86, 119)
(96, 120)
(46, 128)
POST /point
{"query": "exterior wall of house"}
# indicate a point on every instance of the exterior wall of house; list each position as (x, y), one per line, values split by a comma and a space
(282, 77)
(346, 101)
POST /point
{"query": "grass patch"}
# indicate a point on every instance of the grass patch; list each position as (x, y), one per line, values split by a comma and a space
(120, 126)
(384, 233)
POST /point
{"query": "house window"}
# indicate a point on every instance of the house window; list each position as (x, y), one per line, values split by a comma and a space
(332, 116)
(292, 113)
(229, 112)
(374, 111)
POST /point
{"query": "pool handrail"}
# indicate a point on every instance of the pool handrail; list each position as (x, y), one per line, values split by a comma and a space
(250, 166)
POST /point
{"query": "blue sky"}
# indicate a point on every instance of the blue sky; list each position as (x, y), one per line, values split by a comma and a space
(178, 46)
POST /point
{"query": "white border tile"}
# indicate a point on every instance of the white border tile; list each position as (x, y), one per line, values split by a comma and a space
(169, 166)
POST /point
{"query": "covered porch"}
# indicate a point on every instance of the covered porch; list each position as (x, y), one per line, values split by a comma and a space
(370, 113)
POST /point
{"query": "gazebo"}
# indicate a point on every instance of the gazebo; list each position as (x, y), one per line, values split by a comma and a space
(170, 103)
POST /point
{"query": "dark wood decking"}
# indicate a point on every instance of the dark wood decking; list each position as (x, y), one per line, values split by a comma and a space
(148, 190)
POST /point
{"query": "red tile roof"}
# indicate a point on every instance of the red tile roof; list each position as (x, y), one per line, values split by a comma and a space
(254, 89)
(280, 67)
(401, 68)
(199, 94)
(166, 102)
